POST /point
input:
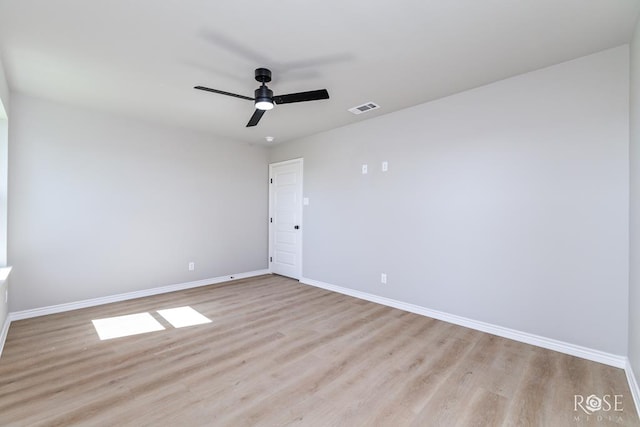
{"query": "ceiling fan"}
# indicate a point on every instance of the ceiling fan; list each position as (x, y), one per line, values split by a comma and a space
(264, 99)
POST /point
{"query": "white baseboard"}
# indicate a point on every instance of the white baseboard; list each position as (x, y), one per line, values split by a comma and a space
(548, 343)
(4, 332)
(633, 385)
(59, 308)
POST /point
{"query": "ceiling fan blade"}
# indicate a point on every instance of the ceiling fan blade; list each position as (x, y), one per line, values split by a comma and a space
(257, 115)
(311, 95)
(221, 92)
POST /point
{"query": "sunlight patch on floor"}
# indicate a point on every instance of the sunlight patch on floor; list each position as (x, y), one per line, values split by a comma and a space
(183, 316)
(124, 326)
(141, 323)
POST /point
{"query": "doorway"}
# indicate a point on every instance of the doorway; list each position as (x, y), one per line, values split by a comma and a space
(285, 218)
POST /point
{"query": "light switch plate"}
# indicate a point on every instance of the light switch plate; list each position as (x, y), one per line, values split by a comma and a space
(365, 169)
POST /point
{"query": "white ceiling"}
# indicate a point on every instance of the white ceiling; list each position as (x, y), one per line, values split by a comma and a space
(141, 58)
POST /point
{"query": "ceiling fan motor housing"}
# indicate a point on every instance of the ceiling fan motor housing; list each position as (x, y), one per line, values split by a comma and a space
(263, 93)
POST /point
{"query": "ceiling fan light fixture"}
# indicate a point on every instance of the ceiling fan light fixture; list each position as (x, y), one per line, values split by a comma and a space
(264, 104)
(264, 97)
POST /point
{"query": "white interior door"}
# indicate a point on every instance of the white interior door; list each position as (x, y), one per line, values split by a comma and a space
(285, 218)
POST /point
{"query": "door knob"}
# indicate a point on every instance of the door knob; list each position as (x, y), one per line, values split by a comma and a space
(297, 227)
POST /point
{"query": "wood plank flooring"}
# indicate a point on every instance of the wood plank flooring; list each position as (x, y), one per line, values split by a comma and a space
(280, 353)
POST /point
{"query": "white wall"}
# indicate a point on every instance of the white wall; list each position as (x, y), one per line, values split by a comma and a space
(4, 143)
(506, 204)
(5, 100)
(634, 256)
(4, 175)
(101, 205)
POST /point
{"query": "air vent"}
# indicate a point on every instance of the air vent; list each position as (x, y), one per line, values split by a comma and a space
(367, 106)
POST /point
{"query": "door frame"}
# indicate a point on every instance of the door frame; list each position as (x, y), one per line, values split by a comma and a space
(299, 160)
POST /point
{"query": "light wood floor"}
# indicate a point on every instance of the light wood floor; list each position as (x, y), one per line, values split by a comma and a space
(281, 353)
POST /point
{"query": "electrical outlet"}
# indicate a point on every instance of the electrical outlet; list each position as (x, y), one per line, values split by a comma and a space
(192, 266)
(383, 278)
